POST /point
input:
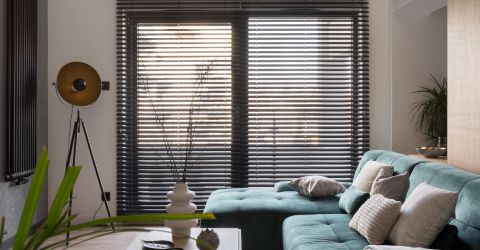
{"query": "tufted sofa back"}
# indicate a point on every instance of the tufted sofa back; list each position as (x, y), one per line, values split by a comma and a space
(467, 211)
(400, 162)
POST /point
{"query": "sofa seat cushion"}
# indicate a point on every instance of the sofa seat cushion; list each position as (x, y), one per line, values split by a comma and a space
(320, 231)
(259, 213)
(244, 200)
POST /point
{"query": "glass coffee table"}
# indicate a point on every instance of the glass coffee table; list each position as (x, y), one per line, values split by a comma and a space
(230, 238)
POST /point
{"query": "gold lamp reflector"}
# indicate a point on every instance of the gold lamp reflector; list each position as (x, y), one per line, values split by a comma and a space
(78, 83)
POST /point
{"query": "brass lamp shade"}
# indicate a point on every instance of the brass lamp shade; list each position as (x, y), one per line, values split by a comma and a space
(78, 83)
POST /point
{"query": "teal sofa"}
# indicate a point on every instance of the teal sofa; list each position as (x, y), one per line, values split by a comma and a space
(280, 218)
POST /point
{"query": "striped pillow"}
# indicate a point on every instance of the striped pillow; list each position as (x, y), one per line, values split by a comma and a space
(376, 218)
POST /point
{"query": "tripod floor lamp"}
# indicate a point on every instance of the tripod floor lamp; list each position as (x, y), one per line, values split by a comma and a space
(79, 84)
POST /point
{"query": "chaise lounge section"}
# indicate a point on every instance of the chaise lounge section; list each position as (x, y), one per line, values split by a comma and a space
(260, 212)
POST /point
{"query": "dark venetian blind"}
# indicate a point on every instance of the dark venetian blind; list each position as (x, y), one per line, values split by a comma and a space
(280, 90)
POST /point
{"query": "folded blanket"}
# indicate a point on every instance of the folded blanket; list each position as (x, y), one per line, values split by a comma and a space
(385, 247)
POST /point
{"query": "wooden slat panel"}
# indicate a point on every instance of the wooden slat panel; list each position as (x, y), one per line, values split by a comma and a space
(463, 84)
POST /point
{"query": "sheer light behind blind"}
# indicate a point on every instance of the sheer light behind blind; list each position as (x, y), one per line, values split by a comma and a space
(307, 106)
(180, 68)
(286, 93)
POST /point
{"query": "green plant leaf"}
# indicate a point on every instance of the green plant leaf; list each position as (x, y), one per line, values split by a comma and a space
(55, 215)
(33, 197)
(62, 196)
(142, 218)
(430, 112)
(2, 229)
(57, 218)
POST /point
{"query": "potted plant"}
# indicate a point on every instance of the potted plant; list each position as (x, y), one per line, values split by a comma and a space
(57, 219)
(430, 112)
(179, 165)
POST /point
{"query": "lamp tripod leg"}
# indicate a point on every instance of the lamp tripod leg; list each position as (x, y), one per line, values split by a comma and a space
(96, 173)
(72, 151)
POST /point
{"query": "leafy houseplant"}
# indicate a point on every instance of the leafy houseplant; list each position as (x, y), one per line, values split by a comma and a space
(57, 219)
(430, 112)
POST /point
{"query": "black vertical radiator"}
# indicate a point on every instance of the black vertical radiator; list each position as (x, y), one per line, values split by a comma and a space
(21, 85)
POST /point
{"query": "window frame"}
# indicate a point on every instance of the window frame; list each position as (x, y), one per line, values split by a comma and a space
(239, 170)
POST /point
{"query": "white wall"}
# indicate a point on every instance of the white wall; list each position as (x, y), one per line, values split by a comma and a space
(405, 47)
(83, 30)
(380, 75)
(90, 38)
(419, 48)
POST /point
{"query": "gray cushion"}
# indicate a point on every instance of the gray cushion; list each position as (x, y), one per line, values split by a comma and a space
(392, 187)
(316, 186)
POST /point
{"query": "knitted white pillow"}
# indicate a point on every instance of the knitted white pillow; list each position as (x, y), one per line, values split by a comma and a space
(375, 218)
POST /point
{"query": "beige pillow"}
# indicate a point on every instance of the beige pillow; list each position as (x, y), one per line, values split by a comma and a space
(368, 174)
(375, 218)
(392, 187)
(423, 216)
(316, 186)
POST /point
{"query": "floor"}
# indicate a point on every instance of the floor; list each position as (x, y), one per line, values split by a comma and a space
(109, 242)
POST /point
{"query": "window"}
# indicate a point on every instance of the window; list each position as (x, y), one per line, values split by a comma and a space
(279, 92)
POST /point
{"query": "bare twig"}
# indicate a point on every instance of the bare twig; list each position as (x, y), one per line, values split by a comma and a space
(180, 173)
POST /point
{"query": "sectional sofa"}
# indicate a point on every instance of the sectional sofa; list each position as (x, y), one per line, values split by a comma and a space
(280, 218)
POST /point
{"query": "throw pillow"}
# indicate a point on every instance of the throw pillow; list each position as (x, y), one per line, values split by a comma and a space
(352, 199)
(375, 218)
(316, 186)
(423, 216)
(368, 174)
(392, 187)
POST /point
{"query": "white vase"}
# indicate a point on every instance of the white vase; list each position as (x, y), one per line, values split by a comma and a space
(181, 199)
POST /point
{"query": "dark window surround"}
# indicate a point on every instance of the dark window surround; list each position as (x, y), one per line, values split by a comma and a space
(126, 94)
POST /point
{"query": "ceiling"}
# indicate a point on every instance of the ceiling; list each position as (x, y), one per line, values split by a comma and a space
(417, 7)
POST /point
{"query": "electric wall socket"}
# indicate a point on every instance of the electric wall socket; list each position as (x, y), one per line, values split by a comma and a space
(107, 196)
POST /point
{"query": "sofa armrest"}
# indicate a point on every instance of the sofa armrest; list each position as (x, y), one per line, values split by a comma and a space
(346, 184)
(282, 186)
